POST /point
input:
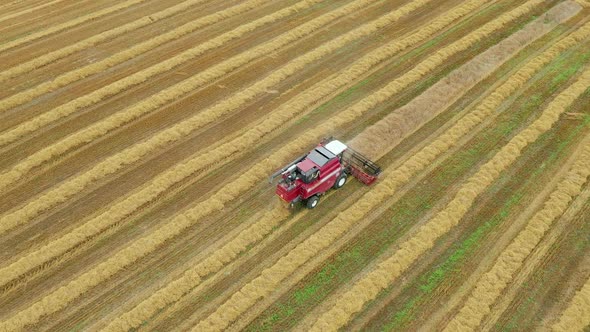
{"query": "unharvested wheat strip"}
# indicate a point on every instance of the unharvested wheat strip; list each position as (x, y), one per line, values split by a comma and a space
(68, 24)
(585, 3)
(97, 67)
(59, 298)
(174, 92)
(265, 283)
(130, 155)
(245, 142)
(29, 10)
(491, 284)
(193, 276)
(385, 273)
(577, 315)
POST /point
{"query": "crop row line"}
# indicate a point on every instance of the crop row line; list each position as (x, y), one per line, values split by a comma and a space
(269, 279)
(199, 162)
(141, 247)
(385, 273)
(143, 75)
(102, 65)
(68, 24)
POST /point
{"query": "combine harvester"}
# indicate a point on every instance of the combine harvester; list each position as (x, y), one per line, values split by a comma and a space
(327, 166)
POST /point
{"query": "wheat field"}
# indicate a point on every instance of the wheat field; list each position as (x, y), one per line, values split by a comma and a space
(137, 138)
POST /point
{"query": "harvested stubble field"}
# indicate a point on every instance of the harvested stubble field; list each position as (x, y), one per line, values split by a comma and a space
(137, 138)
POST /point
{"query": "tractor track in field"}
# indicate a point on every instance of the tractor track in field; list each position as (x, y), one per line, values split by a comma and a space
(11, 8)
(138, 92)
(174, 30)
(80, 24)
(17, 17)
(36, 18)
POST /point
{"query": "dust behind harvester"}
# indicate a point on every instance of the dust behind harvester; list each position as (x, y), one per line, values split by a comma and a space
(327, 166)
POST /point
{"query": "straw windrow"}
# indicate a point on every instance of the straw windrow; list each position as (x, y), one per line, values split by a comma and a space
(171, 93)
(192, 277)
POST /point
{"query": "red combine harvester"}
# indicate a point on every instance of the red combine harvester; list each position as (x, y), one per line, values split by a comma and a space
(327, 166)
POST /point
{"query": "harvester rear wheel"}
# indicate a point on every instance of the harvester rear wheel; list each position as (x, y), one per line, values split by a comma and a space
(312, 202)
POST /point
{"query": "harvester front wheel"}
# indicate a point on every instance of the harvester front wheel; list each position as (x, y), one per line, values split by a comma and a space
(312, 202)
(340, 181)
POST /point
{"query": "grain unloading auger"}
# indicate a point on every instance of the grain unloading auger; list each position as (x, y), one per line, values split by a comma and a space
(326, 166)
